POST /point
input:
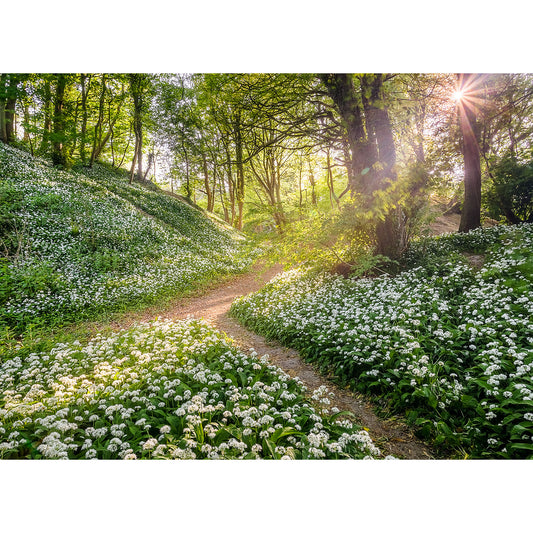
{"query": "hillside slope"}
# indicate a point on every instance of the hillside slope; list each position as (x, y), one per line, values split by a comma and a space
(73, 243)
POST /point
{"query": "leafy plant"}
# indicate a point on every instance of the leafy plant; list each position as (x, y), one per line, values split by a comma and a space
(511, 192)
(444, 343)
(165, 390)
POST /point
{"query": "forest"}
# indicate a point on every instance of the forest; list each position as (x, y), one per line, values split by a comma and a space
(377, 225)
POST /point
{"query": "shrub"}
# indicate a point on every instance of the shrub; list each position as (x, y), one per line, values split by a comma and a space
(511, 192)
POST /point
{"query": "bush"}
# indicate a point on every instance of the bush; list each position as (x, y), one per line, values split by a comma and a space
(511, 194)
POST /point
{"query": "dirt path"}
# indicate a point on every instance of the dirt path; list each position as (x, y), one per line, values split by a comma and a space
(213, 306)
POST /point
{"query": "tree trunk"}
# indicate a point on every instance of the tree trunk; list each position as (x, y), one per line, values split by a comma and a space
(150, 162)
(3, 99)
(369, 142)
(471, 214)
(133, 163)
(331, 184)
(125, 151)
(58, 145)
(26, 137)
(313, 185)
(223, 202)
(280, 214)
(9, 110)
(300, 191)
(390, 233)
(98, 127)
(342, 91)
(103, 141)
(136, 85)
(208, 190)
(239, 193)
(84, 94)
(187, 176)
(47, 125)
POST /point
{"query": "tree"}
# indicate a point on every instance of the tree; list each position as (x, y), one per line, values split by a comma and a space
(511, 192)
(8, 99)
(139, 86)
(468, 84)
(3, 100)
(267, 168)
(371, 167)
(59, 156)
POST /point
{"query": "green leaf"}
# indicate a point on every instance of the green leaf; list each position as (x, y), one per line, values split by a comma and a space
(518, 430)
(283, 432)
(271, 446)
(469, 401)
(222, 435)
(432, 401)
(521, 446)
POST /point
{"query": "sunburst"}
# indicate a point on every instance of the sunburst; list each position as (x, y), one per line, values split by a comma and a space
(469, 91)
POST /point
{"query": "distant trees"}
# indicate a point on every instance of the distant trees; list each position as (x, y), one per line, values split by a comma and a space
(275, 150)
(8, 98)
(139, 87)
(75, 117)
(495, 122)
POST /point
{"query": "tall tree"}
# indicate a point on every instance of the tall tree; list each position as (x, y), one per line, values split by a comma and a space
(3, 100)
(371, 168)
(468, 85)
(59, 157)
(47, 110)
(85, 82)
(10, 106)
(98, 126)
(139, 86)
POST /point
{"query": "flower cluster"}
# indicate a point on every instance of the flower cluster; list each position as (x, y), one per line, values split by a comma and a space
(449, 346)
(85, 242)
(168, 390)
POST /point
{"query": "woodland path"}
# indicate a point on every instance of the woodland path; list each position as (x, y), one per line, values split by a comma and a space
(391, 436)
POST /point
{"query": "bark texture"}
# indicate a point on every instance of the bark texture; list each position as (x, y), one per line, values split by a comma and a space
(471, 213)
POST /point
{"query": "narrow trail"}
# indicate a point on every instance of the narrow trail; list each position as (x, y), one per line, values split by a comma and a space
(213, 306)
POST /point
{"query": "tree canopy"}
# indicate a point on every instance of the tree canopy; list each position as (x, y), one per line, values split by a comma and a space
(356, 157)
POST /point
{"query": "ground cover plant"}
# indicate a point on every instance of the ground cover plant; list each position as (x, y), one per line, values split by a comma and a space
(449, 344)
(165, 390)
(71, 246)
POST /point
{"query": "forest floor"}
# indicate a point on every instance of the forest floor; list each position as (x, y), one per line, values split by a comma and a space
(392, 436)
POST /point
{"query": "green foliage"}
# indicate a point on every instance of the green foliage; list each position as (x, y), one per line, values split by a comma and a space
(511, 193)
(10, 235)
(73, 248)
(430, 252)
(164, 390)
(446, 343)
(326, 241)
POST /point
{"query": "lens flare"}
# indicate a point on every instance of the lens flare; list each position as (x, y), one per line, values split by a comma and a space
(458, 95)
